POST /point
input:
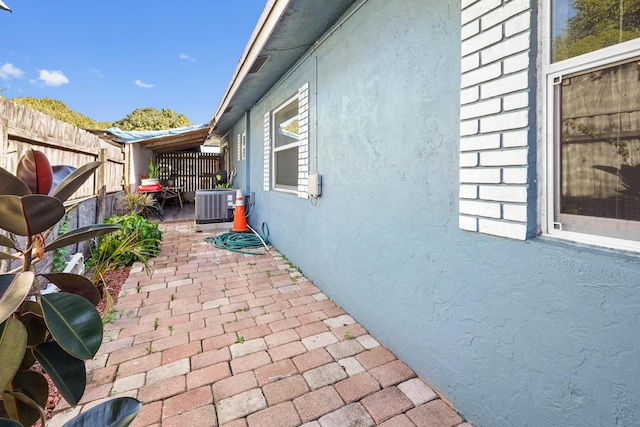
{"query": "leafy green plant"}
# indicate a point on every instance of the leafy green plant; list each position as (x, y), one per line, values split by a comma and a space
(59, 330)
(60, 255)
(154, 169)
(140, 203)
(136, 240)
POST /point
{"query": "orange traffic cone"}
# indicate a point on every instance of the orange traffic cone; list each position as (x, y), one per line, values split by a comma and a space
(239, 219)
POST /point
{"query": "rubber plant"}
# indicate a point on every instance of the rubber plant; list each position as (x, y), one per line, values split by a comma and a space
(59, 330)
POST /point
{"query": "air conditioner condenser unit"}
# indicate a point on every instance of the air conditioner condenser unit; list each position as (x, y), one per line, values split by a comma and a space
(213, 207)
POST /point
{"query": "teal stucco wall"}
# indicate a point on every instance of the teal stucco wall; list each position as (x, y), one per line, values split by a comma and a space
(534, 333)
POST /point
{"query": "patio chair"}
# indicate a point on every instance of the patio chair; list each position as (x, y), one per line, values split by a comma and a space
(171, 193)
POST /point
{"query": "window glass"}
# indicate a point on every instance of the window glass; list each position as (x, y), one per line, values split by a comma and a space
(286, 121)
(598, 127)
(286, 140)
(287, 167)
(583, 26)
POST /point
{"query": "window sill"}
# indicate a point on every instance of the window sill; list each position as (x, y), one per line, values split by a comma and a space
(618, 246)
(286, 190)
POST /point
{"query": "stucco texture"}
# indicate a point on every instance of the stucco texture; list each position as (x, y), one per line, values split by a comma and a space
(532, 333)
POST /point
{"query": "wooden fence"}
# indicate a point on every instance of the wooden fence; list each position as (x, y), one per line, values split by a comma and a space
(22, 128)
(190, 171)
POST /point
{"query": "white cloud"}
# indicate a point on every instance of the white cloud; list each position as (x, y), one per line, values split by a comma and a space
(53, 78)
(9, 71)
(97, 73)
(140, 83)
(185, 57)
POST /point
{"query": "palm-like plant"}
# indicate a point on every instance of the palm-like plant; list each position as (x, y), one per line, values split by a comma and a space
(60, 330)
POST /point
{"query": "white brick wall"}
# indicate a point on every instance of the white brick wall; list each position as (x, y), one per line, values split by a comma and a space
(494, 116)
(267, 151)
(303, 150)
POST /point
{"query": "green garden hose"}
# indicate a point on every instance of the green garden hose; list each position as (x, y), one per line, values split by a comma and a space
(240, 242)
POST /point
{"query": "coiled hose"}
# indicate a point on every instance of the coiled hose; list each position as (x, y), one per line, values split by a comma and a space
(240, 242)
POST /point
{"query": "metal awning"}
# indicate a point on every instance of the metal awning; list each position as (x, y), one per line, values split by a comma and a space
(168, 141)
(173, 143)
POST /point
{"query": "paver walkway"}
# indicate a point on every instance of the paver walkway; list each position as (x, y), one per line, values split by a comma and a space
(217, 338)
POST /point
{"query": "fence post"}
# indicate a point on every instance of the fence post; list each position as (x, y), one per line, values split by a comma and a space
(101, 186)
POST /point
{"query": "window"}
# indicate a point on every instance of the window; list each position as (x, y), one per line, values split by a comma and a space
(286, 138)
(594, 122)
(286, 145)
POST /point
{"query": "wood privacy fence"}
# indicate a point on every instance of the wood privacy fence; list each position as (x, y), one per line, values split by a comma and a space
(190, 171)
(22, 128)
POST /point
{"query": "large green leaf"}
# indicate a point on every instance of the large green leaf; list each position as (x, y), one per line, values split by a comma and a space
(14, 288)
(10, 184)
(74, 323)
(7, 242)
(75, 284)
(29, 215)
(26, 397)
(28, 360)
(68, 373)
(118, 412)
(31, 307)
(36, 328)
(4, 255)
(13, 342)
(81, 234)
(31, 318)
(73, 181)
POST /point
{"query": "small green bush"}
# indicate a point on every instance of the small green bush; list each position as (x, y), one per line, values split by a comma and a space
(137, 241)
(61, 255)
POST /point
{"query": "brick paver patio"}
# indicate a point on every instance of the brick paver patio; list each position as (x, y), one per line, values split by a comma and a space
(217, 338)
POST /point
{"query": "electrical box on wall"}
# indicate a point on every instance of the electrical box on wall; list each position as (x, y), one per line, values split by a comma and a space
(315, 185)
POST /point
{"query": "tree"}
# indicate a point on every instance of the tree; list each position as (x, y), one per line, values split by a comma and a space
(595, 25)
(152, 119)
(59, 110)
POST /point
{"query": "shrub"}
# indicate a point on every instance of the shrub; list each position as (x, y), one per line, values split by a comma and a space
(138, 240)
(140, 203)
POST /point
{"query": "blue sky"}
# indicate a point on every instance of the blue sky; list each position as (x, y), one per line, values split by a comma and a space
(105, 59)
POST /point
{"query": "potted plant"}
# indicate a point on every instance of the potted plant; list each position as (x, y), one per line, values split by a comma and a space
(153, 176)
(58, 330)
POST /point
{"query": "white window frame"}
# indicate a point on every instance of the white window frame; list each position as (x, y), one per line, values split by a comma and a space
(553, 71)
(279, 187)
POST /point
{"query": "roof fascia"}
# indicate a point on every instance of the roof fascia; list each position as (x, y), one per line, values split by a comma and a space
(267, 22)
